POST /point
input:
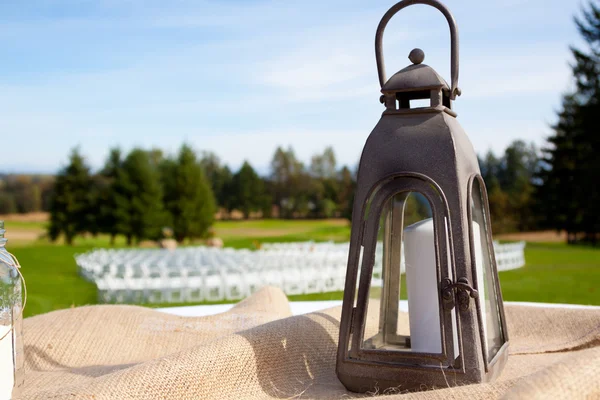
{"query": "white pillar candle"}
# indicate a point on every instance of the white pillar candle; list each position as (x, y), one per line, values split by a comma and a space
(7, 369)
(422, 289)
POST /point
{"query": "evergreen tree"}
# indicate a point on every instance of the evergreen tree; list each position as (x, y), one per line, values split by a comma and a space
(113, 196)
(141, 216)
(219, 177)
(188, 197)
(569, 195)
(247, 191)
(71, 208)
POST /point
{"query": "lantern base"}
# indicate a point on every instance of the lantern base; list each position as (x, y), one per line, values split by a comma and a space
(370, 377)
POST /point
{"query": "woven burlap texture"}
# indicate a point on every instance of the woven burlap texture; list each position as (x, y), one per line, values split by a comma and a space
(258, 350)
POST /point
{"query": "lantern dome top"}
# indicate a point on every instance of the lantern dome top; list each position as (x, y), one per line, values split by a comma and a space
(415, 77)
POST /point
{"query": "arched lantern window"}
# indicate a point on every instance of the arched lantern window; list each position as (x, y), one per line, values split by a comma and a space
(491, 312)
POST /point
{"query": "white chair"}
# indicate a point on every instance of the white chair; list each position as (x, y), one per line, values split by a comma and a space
(235, 287)
(293, 281)
(213, 286)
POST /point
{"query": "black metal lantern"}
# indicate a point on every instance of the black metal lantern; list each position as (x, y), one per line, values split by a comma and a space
(420, 208)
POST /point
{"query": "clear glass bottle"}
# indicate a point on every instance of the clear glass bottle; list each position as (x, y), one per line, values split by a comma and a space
(11, 323)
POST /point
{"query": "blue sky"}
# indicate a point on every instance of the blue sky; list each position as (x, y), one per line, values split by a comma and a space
(241, 77)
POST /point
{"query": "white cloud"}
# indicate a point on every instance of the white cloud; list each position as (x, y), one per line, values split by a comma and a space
(543, 69)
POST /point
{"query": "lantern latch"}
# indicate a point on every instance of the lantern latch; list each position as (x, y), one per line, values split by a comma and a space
(464, 293)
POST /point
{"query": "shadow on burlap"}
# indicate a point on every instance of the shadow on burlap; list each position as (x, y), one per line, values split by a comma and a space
(258, 350)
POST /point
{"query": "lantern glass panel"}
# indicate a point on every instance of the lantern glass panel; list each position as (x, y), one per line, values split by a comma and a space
(404, 267)
(493, 335)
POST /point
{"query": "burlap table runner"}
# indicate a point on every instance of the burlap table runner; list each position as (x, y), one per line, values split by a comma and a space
(257, 350)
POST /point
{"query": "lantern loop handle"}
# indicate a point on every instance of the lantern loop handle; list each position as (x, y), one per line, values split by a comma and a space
(454, 90)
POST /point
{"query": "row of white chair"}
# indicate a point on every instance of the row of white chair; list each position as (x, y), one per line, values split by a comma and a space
(208, 274)
(213, 287)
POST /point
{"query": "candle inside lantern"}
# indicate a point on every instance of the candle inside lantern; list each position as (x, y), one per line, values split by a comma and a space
(422, 287)
(7, 368)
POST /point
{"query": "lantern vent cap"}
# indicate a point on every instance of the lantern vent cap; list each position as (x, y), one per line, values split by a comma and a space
(415, 77)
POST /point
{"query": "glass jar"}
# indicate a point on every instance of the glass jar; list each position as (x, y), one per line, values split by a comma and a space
(11, 323)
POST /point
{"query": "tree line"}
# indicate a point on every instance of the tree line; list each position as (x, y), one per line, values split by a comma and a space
(20, 193)
(147, 195)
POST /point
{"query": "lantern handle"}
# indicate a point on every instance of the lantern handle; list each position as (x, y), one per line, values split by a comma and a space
(454, 90)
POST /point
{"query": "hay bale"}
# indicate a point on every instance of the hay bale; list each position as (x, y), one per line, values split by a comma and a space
(170, 244)
(214, 242)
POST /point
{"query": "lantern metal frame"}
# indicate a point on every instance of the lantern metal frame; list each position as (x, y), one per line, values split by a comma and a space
(443, 167)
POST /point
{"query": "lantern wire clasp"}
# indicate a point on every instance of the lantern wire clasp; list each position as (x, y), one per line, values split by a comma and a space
(463, 290)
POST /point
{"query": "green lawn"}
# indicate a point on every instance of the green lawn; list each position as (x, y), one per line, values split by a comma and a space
(554, 272)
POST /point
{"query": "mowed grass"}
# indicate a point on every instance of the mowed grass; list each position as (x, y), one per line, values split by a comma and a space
(555, 272)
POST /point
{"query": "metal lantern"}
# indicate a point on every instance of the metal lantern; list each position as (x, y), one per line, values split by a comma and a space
(420, 231)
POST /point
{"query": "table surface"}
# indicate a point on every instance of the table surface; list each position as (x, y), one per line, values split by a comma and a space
(305, 307)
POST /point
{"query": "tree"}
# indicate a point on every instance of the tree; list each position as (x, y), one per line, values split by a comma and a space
(325, 187)
(188, 197)
(571, 162)
(8, 205)
(247, 191)
(520, 164)
(142, 215)
(71, 208)
(323, 165)
(347, 186)
(27, 193)
(290, 184)
(219, 177)
(113, 196)
(509, 183)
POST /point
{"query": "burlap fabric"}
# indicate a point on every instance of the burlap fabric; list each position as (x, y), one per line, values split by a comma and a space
(257, 350)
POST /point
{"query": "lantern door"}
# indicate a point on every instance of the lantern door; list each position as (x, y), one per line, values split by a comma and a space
(491, 318)
(399, 314)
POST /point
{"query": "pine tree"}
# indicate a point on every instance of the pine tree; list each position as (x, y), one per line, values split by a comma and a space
(219, 177)
(188, 197)
(569, 193)
(247, 191)
(71, 208)
(113, 194)
(141, 213)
